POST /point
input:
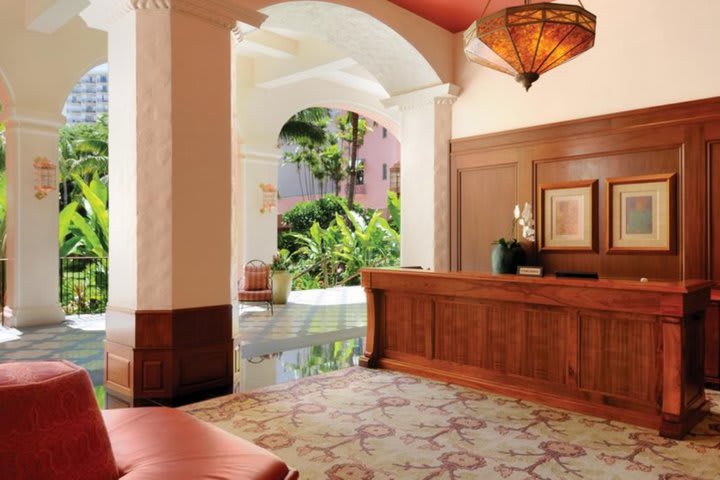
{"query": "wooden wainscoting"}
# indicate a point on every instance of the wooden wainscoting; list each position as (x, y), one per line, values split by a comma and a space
(620, 349)
(167, 355)
(491, 173)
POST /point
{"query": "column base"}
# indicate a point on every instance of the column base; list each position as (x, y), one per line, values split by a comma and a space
(19, 317)
(167, 356)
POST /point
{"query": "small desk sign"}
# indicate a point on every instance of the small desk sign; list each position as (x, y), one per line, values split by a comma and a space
(530, 271)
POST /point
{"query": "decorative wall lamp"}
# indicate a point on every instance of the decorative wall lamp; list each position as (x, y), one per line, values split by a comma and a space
(528, 40)
(45, 179)
(268, 197)
(395, 178)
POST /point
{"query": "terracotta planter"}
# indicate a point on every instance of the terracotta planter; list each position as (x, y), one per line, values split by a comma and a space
(282, 286)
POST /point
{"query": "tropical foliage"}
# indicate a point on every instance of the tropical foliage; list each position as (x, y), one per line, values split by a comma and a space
(84, 284)
(333, 255)
(323, 211)
(328, 358)
(352, 132)
(84, 225)
(3, 147)
(83, 152)
(326, 144)
(3, 213)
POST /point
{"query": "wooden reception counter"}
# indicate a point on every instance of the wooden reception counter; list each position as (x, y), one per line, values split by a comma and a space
(623, 350)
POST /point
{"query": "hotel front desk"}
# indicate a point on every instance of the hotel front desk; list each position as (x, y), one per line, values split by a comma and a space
(625, 350)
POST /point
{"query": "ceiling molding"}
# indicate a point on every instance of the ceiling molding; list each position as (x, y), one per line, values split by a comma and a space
(445, 93)
(102, 14)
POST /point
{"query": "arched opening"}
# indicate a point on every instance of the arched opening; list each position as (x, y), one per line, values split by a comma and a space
(83, 192)
(301, 58)
(337, 213)
(5, 102)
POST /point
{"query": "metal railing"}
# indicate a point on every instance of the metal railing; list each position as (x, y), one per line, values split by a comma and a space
(83, 284)
(3, 285)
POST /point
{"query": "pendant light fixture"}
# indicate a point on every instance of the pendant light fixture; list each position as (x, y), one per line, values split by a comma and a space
(530, 39)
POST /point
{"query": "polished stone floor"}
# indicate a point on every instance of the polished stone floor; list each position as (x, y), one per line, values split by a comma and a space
(310, 318)
(83, 347)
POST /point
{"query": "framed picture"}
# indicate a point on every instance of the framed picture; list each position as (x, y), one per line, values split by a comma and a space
(568, 216)
(642, 214)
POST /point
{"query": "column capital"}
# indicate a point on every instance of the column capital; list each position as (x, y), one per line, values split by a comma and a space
(101, 14)
(261, 154)
(443, 94)
(33, 120)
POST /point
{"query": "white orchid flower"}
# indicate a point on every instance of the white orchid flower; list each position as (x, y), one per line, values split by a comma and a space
(516, 212)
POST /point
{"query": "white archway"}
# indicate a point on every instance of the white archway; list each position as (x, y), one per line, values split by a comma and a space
(6, 95)
(396, 64)
(412, 98)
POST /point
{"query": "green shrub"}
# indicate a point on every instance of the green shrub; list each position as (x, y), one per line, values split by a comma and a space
(322, 211)
(302, 216)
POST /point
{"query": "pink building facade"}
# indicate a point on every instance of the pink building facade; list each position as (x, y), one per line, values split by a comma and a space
(379, 152)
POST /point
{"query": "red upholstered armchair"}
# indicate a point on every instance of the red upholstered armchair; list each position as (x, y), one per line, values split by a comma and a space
(256, 286)
(52, 429)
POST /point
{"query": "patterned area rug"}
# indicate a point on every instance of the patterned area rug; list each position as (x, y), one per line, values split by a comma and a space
(365, 424)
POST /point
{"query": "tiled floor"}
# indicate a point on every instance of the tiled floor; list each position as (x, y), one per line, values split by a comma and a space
(311, 317)
(82, 347)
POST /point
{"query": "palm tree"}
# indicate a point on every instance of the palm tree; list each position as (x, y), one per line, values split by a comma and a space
(308, 124)
(352, 131)
(306, 129)
(84, 152)
(3, 149)
(333, 162)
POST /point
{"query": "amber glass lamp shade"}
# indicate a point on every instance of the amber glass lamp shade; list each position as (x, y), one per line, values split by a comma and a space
(528, 40)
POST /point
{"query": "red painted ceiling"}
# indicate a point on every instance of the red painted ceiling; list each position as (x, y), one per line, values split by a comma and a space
(454, 15)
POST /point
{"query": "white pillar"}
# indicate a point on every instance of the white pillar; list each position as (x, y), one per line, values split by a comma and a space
(259, 166)
(170, 301)
(426, 129)
(32, 223)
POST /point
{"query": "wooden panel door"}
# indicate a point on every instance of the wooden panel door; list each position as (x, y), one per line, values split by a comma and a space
(486, 198)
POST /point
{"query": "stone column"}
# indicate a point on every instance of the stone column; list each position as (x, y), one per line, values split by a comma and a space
(32, 224)
(426, 130)
(170, 301)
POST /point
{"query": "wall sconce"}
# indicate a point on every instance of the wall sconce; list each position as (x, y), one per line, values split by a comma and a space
(45, 179)
(268, 197)
(395, 178)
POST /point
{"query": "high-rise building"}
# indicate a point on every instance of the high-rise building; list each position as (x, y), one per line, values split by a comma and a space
(89, 97)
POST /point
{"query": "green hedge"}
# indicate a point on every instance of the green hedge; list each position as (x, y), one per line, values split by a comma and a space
(323, 210)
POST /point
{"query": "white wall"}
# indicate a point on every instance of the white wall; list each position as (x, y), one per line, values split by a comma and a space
(647, 52)
(42, 69)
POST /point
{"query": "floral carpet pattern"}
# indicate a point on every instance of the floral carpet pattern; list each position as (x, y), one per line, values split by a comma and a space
(363, 424)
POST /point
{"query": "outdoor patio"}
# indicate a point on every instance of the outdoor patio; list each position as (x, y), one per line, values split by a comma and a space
(311, 317)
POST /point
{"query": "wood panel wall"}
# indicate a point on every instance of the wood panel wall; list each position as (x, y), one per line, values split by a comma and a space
(491, 173)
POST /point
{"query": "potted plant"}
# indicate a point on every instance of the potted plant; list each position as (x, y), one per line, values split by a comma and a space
(281, 277)
(508, 253)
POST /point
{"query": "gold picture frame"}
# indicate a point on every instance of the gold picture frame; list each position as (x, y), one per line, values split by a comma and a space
(568, 216)
(641, 214)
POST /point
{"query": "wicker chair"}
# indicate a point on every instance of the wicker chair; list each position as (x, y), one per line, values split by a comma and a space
(256, 284)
